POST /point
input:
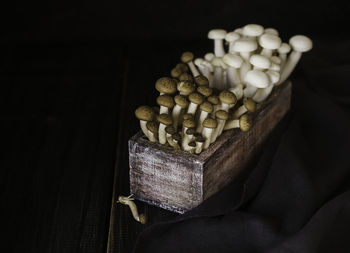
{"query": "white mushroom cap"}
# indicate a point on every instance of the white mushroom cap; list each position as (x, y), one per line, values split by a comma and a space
(284, 48)
(300, 43)
(209, 56)
(217, 62)
(272, 31)
(244, 45)
(232, 60)
(275, 59)
(238, 30)
(257, 78)
(198, 61)
(270, 41)
(232, 36)
(273, 75)
(260, 61)
(217, 34)
(253, 30)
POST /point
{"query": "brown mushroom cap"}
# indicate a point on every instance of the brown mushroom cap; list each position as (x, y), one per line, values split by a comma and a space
(152, 126)
(201, 80)
(165, 119)
(144, 113)
(227, 97)
(166, 85)
(186, 87)
(205, 91)
(249, 104)
(213, 99)
(187, 57)
(170, 130)
(206, 106)
(210, 123)
(192, 144)
(165, 100)
(175, 72)
(185, 76)
(181, 101)
(183, 67)
(190, 123)
(176, 137)
(190, 131)
(196, 98)
(200, 138)
(187, 116)
(245, 122)
(221, 114)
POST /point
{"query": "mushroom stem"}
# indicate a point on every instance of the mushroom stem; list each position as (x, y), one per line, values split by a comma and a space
(232, 77)
(218, 130)
(202, 116)
(289, 65)
(240, 111)
(161, 133)
(238, 91)
(192, 108)
(207, 132)
(233, 123)
(193, 69)
(199, 147)
(151, 136)
(144, 128)
(176, 115)
(249, 91)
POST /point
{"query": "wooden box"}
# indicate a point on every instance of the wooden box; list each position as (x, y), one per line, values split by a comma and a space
(179, 181)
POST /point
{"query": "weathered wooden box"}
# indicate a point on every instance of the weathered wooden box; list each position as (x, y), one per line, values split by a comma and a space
(179, 181)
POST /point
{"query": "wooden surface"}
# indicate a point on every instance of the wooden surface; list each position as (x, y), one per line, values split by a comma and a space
(179, 181)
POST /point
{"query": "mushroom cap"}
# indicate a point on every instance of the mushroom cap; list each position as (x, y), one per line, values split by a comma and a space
(232, 36)
(166, 85)
(272, 31)
(198, 61)
(165, 100)
(187, 57)
(205, 91)
(270, 41)
(165, 119)
(175, 72)
(190, 131)
(256, 78)
(253, 30)
(201, 80)
(183, 67)
(213, 99)
(217, 34)
(176, 137)
(260, 61)
(181, 101)
(200, 138)
(190, 123)
(249, 104)
(192, 144)
(244, 45)
(170, 130)
(210, 123)
(152, 126)
(187, 116)
(196, 98)
(217, 62)
(275, 59)
(274, 76)
(227, 97)
(232, 60)
(144, 113)
(239, 30)
(284, 48)
(206, 106)
(300, 43)
(209, 56)
(221, 114)
(186, 87)
(245, 122)
(186, 76)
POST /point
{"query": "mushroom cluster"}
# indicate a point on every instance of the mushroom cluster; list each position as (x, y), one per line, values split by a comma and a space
(205, 96)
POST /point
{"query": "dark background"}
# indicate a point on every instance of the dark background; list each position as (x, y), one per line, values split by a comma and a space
(72, 72)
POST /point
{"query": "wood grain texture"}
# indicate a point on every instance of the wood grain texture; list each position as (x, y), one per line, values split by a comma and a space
(179, 181)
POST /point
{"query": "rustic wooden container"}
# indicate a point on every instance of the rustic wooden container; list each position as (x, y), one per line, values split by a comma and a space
(179, 181)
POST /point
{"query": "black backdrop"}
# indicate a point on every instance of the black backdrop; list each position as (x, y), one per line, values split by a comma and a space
(65, 68)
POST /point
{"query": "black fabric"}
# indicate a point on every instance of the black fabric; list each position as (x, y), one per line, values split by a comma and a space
(296, 196)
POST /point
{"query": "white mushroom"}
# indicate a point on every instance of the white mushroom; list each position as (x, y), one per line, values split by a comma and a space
(283, 50)
(300, 44)
(231, 37)
(164, 121)
(234, 62)
(260, 62)
(269, 43)
(218, 35)
(272, 31)
(218, 77)
(252, 31)
(221, 117)
(209, 125)
(188, 57)
(255, 79)
(262, 94)
(245, 47)
(144, 114)
(237, 90)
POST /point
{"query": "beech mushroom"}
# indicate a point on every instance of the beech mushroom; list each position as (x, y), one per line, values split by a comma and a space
(245, 47)
(152, 131)
(252, 30)
(195, 100)
(185, 87)
(144, 114)
(260, 62)
(300, 44)
(201, 80)
(218, 35)
(170, 131)
(234, 62)
(188, 57)
(218, 75)
(262, 94)
(283, 50)
(164, 121)
(176, 139)
(244, 123)
(231, 37)
(186, 77)
(176, 72)
(200, 63)
(221, 117)
(205, 108)
(205, 91)
(165, 102)
(181, 105)
(188, 137)
(199, 144)
(269, 43)
(249, 105)
(255, 79)
(166, 85)
(187, 123)
(227, 99)
(183, 67)
(237, 90)
(272, 31)
(209, 125)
